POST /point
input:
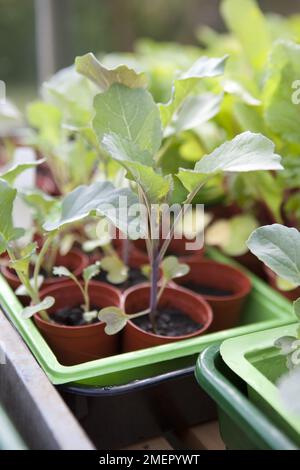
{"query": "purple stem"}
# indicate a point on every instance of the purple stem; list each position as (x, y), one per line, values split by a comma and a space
(125, 251)
(154, 286)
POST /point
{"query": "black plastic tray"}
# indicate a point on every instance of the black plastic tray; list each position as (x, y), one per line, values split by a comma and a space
(117, 416)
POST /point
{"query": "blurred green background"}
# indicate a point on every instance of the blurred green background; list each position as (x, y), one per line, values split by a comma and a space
(99, 26)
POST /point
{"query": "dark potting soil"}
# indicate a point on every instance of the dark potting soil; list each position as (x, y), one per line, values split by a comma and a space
(72, 316)
(135, 276)
(170, 322)
(208, 290)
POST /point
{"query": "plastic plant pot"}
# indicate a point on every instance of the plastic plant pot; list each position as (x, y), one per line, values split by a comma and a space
(137, 298)
(141, 409)
(242, 425)
(45, 180)
(75, 261)
(254, 359)
(292, 294)
(252, 263)
(219, 277)
(263, 309)
(135, 263)
(78, 344)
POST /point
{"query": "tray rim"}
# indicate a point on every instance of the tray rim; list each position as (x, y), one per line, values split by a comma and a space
(59, 374)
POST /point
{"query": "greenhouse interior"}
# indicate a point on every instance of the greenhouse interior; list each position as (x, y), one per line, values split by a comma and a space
(149, 229)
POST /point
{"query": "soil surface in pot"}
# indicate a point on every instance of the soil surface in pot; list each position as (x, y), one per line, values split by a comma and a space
(208, 290)
(170, 322)
(135, 276)
(72, 316)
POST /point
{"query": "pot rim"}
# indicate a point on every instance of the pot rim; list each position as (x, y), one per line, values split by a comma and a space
(82, 263)
(207, 308)
(67, 284)
(243, 291)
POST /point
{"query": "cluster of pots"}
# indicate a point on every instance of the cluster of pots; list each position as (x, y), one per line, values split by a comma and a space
(78, 344)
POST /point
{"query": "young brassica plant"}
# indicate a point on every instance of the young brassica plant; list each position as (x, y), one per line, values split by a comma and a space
(133, 130)
(88, 274)
(278, 247)
(83, 202)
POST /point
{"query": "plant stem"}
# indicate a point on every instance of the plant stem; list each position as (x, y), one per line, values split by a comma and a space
(139, 314)
(40, 259)
(163, 149)
(125, 251)
(143, 200)
(34, 295)
(181, 212)
(86, 297)
(154, 284)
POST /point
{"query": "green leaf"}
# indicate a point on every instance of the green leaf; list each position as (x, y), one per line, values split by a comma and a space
(172, 268)
(247, 22)
(91, 271)
(235, 88)
(39, 200)
(21, 290)
(100, 198)
(296, 307)
(231, 234)
(285, 344)
(79, 160)
(90, 245)
(279, 248)
(62, 271)
(66, 243)
(117, 272)
(114, 318)
(91, 68)
(47, 119)
(46, 303)
(146, 270)
(10, 175)
(124, 150)
(283, 284)
(131, 114)
(281, 111)
(7, 231)
(22, 263)
(136, 162)
(186, 84)
(195, 111)
(90, 316)
(246, 152)
(262, 186)
(44, 207)
(72, 94)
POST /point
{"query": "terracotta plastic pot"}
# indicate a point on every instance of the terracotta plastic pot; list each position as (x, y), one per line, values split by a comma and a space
(75, 261)
(45, 180)
(226, 309)
(78, 344)
(252, 263)
(47, 185)
(136, 299)
(223, 211)
(292, 295)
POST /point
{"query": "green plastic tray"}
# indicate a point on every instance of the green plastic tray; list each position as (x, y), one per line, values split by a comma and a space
(9, 436)
(264, 309)
(242, 425)
(254, 359)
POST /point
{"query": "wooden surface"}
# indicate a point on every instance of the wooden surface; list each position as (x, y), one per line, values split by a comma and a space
(202, 437)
